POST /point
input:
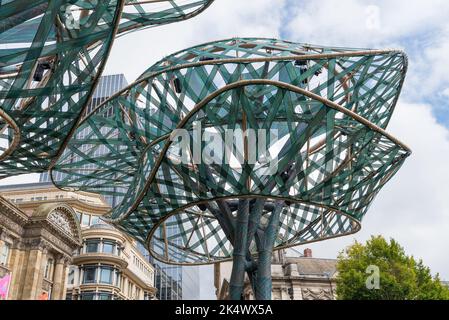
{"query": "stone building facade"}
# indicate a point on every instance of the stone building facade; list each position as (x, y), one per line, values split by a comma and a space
(109, 267)
(37, 249)
(294, 278)
(54, 246)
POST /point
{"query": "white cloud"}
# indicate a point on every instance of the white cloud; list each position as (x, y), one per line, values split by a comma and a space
(446, 93)
(25, 178)
(363, 23)
(413, 207)
(135, 52)
(421, 29)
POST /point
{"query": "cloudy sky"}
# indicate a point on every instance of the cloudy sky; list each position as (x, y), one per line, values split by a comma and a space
(414, 207)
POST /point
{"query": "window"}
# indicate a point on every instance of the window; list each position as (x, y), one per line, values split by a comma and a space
(19, 200)
(117, 278)
(48, 274)
(87, 296)
(106, 275)
(85, 222)
(92, 246)
(130, 289)
(104, 296)
(4, 254)
(108, 247)
(95, 220)
(90, 275)
(78, 215)
(71, 276)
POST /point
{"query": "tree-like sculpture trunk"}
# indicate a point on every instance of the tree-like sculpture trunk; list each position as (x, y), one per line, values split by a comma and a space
(249, 229)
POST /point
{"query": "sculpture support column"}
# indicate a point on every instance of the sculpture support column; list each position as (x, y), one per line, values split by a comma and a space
(263, 280)
(238, 268)
(259, 271)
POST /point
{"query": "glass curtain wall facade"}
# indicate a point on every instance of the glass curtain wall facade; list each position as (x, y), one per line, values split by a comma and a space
(174, 282)
(107, 86)
(168, 279)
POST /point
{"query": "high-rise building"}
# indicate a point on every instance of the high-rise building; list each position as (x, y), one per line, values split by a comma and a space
(172, 282)
(107, 86)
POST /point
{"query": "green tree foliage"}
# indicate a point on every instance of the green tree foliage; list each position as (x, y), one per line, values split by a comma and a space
(401, 277)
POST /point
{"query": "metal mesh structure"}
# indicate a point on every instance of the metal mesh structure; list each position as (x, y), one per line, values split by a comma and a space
(51, 56)
(328, 106)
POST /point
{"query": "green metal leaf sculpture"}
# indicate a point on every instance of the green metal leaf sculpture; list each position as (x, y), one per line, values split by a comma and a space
(329, 107)
(52, 54)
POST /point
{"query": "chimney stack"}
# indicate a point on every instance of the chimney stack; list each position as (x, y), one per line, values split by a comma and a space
(307, 253)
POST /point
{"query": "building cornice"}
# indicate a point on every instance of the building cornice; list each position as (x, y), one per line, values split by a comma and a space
(134, 277)
(73, 202)
(96, 258)
(13, 212)
(114, 234)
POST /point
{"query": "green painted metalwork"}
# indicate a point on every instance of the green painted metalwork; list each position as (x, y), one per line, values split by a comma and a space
(51, 56)
(331, 107)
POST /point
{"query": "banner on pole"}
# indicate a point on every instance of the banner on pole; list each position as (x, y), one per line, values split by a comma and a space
(4, 286)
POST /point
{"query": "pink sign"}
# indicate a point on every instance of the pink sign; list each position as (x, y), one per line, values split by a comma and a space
(4, 286)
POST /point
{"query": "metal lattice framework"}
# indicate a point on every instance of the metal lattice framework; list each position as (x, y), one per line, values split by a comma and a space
(330, 106)
(52, 54)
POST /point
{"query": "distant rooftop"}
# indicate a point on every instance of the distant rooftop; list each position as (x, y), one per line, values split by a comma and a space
(24, 186)
(307, 265)
(315, 266)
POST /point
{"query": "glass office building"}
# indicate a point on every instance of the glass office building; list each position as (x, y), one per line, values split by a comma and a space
(107, 86)
(172, 282)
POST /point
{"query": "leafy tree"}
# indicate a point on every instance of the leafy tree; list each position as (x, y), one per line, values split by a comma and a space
(400, 277)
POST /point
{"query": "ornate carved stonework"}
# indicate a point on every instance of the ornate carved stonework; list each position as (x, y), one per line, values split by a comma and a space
(36, 244)
(58, 242)
(317, 294)
(52, 229)
(10, 225)
(61, 220)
